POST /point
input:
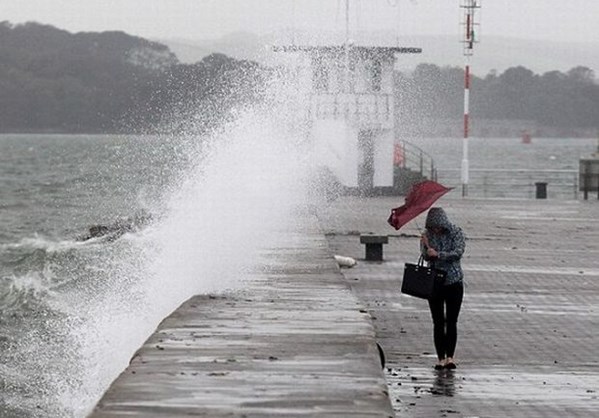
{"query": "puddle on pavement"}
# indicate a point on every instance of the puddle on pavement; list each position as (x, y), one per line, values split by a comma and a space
(411, 386)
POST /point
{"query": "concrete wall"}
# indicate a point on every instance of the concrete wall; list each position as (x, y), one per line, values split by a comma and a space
(335, 147)
(383, 159)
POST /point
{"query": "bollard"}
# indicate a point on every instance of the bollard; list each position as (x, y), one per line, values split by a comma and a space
(541, 190)
(374, 246)
(589, 176)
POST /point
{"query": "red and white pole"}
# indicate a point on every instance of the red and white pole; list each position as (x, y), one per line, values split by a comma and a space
(466, 129)
(469, 7)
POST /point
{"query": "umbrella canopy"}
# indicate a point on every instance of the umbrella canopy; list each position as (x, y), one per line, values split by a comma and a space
(420, 197)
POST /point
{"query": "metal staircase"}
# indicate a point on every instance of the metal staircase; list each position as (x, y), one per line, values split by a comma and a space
(411, 165)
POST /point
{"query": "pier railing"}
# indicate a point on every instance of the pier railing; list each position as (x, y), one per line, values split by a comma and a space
(409, 156)
(514, 183)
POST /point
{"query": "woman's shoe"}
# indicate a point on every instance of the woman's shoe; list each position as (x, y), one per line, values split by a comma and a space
(439, 366)
(450, 365)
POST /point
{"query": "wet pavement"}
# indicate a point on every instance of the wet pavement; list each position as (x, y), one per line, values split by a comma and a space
(294, 342)
(529, 326)
(299, 339)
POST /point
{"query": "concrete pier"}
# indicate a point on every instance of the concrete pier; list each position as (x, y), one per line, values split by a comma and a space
(294, 342)
(299, 340)
(529, 326)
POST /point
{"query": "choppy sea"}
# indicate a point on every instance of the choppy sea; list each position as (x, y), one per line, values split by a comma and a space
(508, 168)
(73, 311)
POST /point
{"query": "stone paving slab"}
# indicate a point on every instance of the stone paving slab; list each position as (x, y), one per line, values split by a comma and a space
(294, 342)
(529, 327)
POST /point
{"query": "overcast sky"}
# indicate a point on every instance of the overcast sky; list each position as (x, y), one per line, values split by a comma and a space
(560, 20)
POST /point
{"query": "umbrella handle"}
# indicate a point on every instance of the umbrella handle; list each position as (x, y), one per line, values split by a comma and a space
(418, 226)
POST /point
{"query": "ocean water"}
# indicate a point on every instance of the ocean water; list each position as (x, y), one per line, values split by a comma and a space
(509, 153)
(72, 311)
(507, 168)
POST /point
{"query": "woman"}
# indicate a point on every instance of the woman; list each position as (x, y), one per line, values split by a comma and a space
(442, 245)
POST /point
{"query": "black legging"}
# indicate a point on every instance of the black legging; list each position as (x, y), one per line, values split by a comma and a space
(446, 323)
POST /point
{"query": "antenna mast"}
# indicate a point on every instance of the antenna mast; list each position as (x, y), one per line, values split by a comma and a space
(293, 22)
(470, 22)
(347, 77)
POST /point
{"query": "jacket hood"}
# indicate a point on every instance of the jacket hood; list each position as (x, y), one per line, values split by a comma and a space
(437, 218)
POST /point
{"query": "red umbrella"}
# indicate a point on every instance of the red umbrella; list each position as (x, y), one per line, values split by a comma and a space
(420, 197)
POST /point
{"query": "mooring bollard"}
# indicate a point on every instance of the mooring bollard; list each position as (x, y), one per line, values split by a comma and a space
(589, 175)
(541, 192)
(374, 246)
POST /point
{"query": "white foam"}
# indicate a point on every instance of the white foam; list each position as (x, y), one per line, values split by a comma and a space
(234, 203)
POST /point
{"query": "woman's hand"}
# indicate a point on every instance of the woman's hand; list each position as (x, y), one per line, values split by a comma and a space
(431, 252)
(424, 240)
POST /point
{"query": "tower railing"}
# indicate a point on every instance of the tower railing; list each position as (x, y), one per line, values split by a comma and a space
(515, 183)
(362, 107)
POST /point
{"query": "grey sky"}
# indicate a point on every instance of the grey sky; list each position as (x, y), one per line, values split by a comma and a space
(561, 20)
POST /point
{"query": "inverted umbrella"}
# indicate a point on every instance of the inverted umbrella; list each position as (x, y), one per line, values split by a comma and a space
(420, 197)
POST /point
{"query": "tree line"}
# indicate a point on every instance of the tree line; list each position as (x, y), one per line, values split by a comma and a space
(555, 99)
(55, 81)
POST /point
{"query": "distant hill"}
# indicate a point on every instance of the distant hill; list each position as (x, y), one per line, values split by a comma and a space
(501, 53)
(547, 88)
(240, 45)
(492, 53)
(55, 81)
(52, 80)
(58, 81)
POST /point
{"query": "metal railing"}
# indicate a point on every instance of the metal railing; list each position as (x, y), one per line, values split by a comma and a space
(409, 156)
(514, 183)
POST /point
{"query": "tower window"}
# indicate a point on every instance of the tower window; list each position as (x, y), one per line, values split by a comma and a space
(376, 75)
(320, 77)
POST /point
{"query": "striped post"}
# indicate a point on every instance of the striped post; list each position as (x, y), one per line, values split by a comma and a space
(469, 7)
(466, 129)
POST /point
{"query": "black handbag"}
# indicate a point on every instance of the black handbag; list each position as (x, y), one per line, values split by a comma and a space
(420, 281)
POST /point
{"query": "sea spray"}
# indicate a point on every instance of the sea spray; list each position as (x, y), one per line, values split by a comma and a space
(227, 209)
(214, 224)
(80, 309)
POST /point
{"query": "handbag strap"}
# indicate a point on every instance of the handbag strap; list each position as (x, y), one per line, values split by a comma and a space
(421, 262)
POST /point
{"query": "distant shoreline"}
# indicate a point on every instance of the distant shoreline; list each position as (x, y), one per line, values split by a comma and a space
(579, 135)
